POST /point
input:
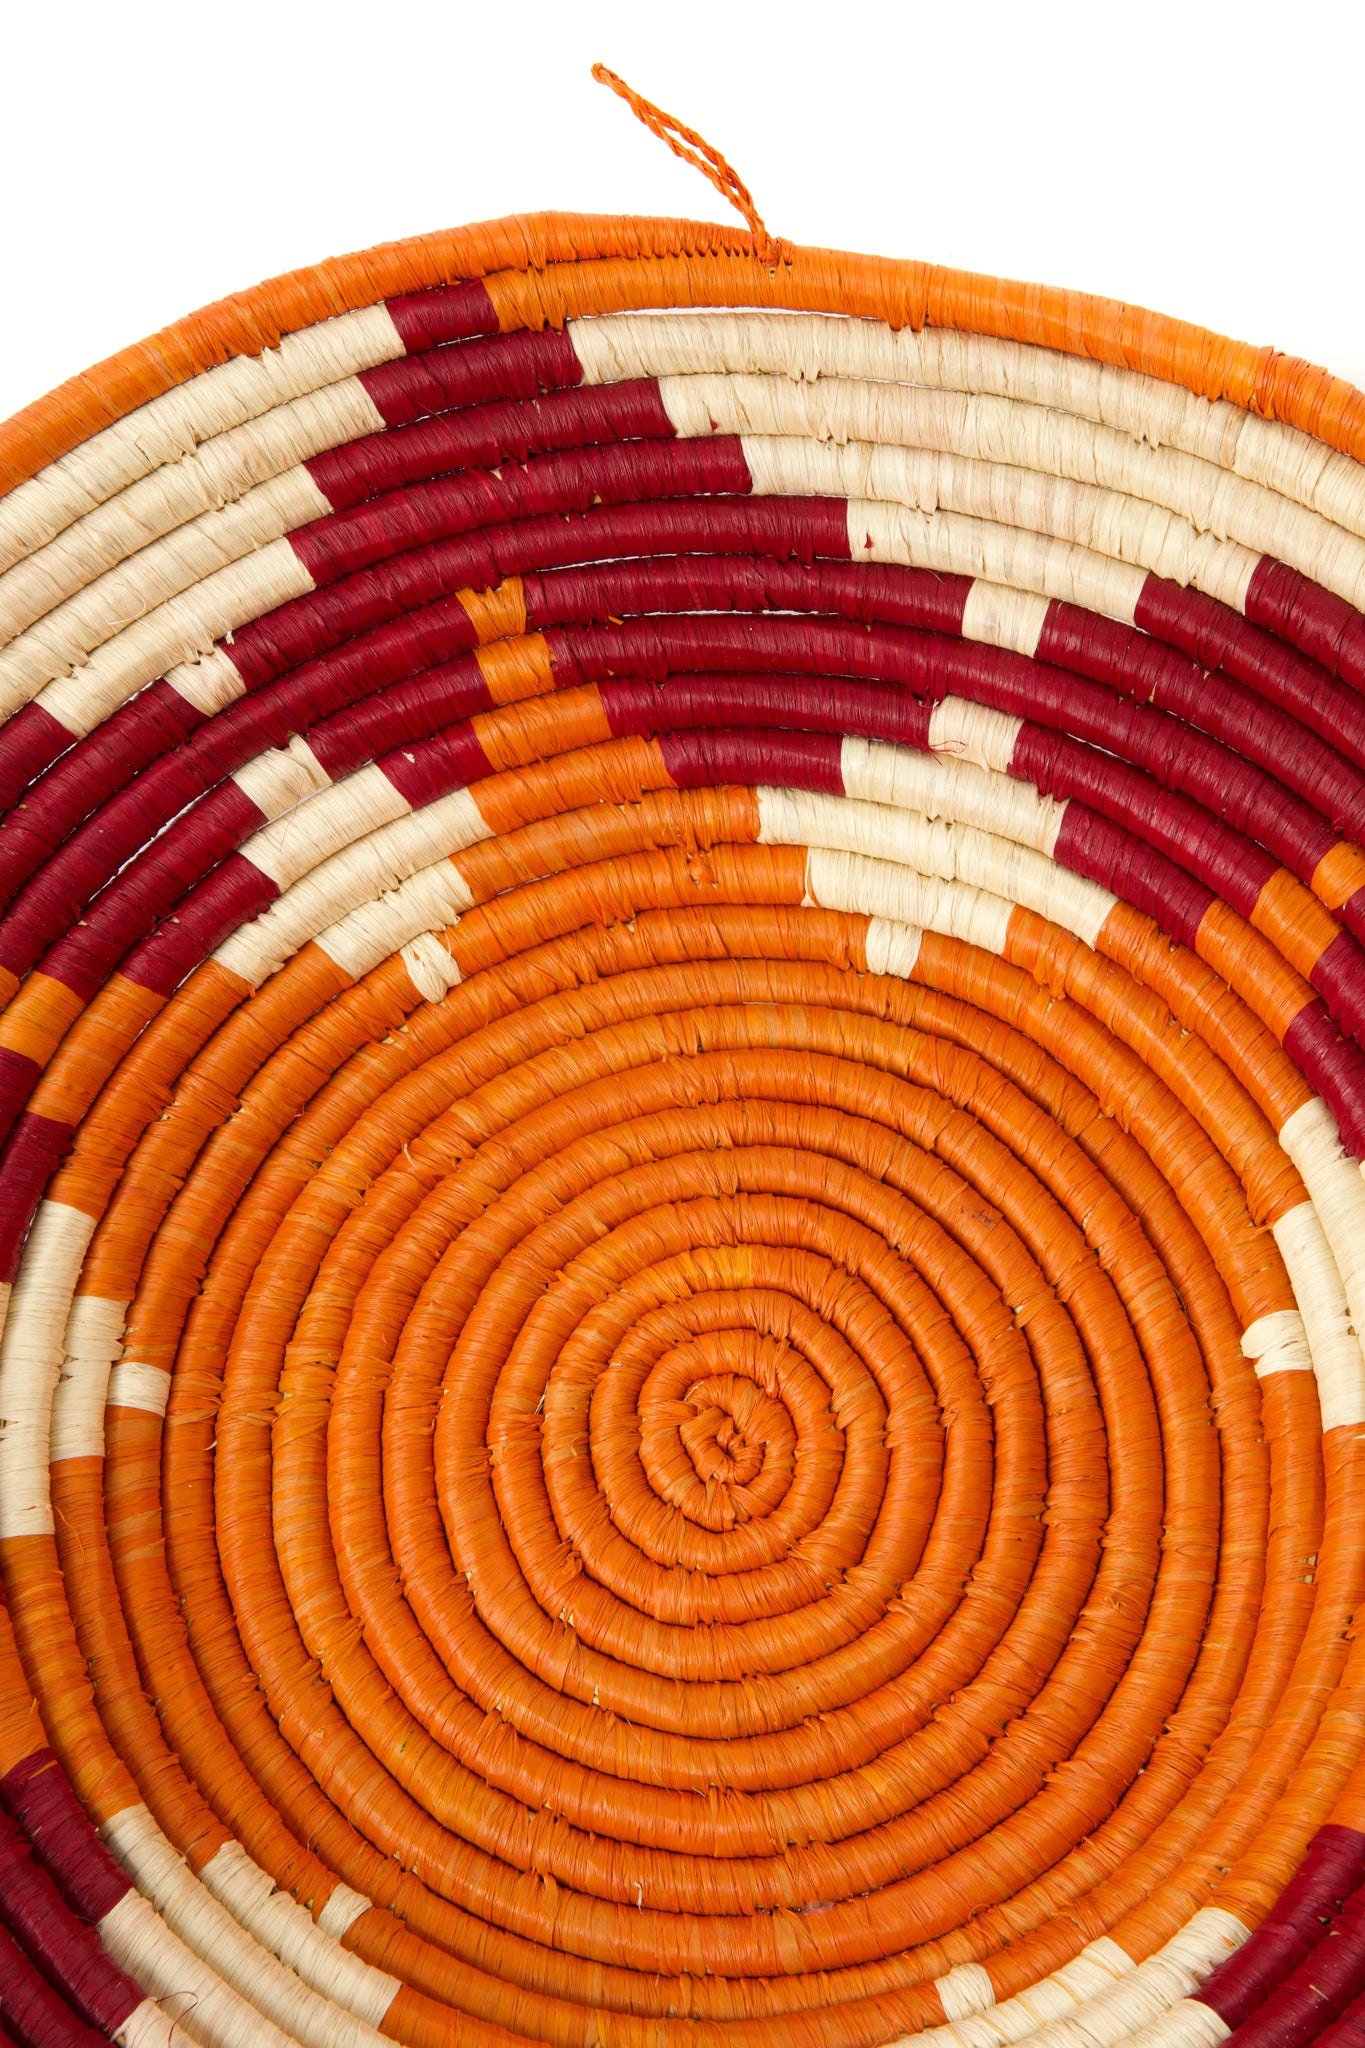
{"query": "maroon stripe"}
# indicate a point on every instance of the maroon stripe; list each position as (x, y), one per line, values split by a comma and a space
(29, 742)
(1332, 1868)
(18, 1079)
(35, 1146)
(513, 366)
(368, 668)
(1232, 712)
(39, 1796)
(246, 729)
(306, 627)
(1090, 845)
(1213, 851)
(147, 888)
(129, 821)
(877, 711)
(35, 2014)
(872, 593)
(706, 759)
(1349, 2030)
(1218, 856)
(1151, 740)
(1255, 804)
(932, 665)
(443, 379)
(484, 436)
(66, 1950)
(150, 723)
(405, 713)
(443, 313)
(1218, 637)
(1302, 612)
(232, 895)
(451, 760)
(1258, 805)
(342, 542)
(1135, 663)
(1334, 1068)
(88, 939)
(1330, 1976)
(1339, 977)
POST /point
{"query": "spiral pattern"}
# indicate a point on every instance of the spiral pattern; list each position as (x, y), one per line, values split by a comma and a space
(680, 1081)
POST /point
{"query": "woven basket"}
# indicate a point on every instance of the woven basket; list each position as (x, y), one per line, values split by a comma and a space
(681, 1077)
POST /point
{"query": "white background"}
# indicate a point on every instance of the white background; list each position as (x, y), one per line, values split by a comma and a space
(1204, 159)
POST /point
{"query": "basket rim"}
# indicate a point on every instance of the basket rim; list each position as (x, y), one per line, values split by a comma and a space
(904, 292)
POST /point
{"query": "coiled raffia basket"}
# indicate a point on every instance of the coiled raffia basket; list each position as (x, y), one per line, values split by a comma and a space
(681, 1083)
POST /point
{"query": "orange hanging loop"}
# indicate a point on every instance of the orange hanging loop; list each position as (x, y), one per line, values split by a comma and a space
(694, 149)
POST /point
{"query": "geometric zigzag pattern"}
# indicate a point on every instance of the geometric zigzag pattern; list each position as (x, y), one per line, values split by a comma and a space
(682, 1075)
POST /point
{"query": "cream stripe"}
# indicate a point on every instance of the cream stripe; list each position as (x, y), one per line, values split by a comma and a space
(974, 732)
(1007, 556)
(134, 1384)
(1108, 522)
(245, 1993)
(1277, 1343)
(892, 948)
(67, 637)
(883, 888)
(211, 683)
(1001, 617)
(942, 786)
(169, 427)
(1102, 1997)
(364, 870)
(219, 472)
(1333, 1181)
(94, 1341)
(427, 900)
(1188, 2024)
(282, 1925)
(343, 1908)
(291, 846)
(147, 2026)
(31, 1357)
(937, 850)
(1000, 433)
(286, 776)
(181, 631)
(805, 346)
(1321, 1298)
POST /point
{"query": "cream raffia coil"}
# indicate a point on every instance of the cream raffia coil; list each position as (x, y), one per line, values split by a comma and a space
(682, 1088)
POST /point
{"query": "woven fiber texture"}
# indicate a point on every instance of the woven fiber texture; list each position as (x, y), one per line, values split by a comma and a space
(682, 1081)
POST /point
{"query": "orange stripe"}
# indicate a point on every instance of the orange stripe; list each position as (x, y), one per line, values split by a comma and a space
(1248, 961)
(1339, 874)
(621, 772)
(1294, 921)
(515, 669)
(93, 1047)
(518, 735)
(499, 613)
(39, 1017)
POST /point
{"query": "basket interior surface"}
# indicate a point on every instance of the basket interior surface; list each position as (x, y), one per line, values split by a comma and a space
(682, 1078)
